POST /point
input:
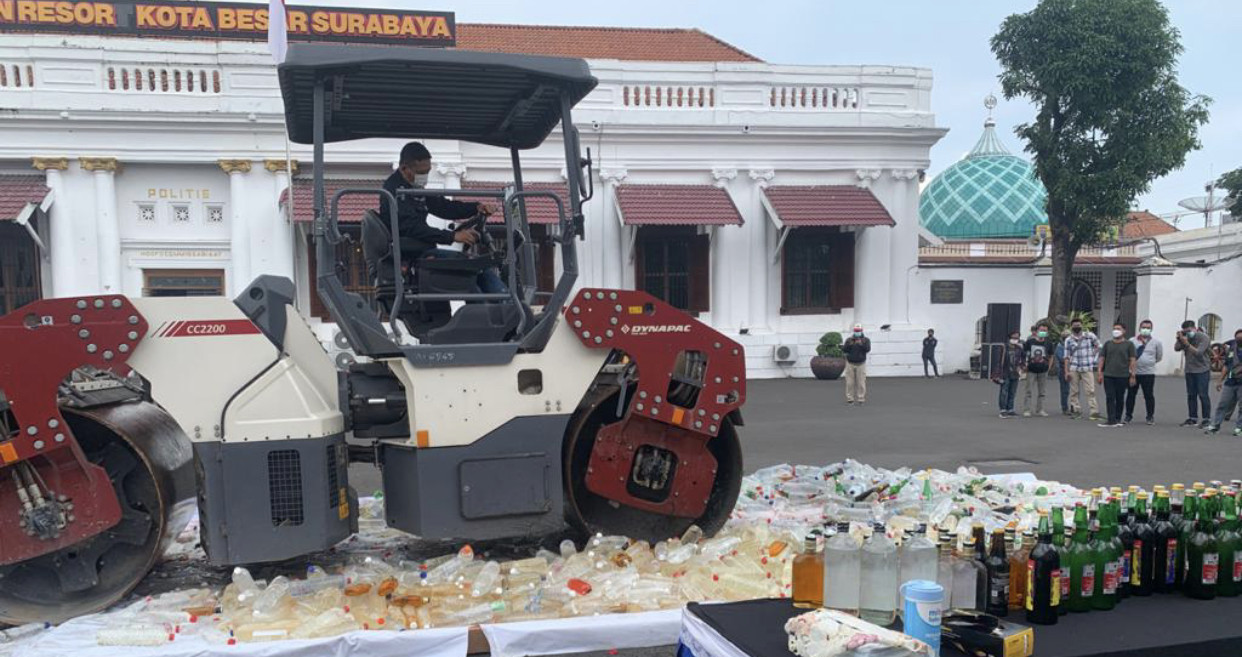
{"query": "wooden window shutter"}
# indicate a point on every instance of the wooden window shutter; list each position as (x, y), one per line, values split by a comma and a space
(700, 273)
(841, 257)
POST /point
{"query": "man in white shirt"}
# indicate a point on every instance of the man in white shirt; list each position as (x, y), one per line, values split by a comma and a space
(1150, 351)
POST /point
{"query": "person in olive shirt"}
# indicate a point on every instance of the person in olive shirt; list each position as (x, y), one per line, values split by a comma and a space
(1230, 385)
(856, 348)
(1197, 347)
(929, 353)
(1039, 352)
(1116, 372)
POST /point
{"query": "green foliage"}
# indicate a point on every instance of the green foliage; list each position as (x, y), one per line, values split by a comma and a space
(1232, 182)
(1062, 323)
(830, 345)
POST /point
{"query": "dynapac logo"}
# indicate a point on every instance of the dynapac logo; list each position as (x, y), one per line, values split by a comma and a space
(205, 328)
(648, 329)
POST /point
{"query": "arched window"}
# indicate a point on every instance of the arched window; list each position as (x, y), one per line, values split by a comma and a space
(981, 330)
(1082, 297)
(1211, 323)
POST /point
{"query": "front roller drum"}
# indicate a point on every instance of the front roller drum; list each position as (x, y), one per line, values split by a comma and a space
(149, 463)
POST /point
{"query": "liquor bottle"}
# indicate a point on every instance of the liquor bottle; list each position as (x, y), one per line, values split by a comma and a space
(1125, 536)
(980, 537)
(1058, 526)
(1164, 556)
(1183, 520)
(916, 559)
(877, 599)
(1017, 571)
(1143, 553)
(1107, 557)
(1177, 506)
(1082, 563)
(808, 575)
(1043, 578)
(1229, 579)
(1131, 499)
(998, 576)
(1202, 559)
(1062, 544)
(969, 579)
(1118, 547)
(944, 570)
(842, 564)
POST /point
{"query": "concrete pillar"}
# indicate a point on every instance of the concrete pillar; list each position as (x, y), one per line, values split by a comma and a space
(280, 228)
(60, 226)
(1163, 302)
(904, 243)
(613, 238)
(761, 244)
(1042, 291)
(239, 243)
(108, 239)
(872, 272)
(725, 241)
(453, 173)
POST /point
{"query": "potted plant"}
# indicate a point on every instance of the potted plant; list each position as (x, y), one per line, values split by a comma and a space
(829, 361)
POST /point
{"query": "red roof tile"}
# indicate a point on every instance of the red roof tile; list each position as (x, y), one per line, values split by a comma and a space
(351, 207)
(18, 190)
(827, 205)
(1145, 224)
(676, 205)
(538, 210)
(626, 43)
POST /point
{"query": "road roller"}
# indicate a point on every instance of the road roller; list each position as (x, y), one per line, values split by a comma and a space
(490, 415)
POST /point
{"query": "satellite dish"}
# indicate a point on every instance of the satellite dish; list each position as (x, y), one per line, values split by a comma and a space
(1205, 205)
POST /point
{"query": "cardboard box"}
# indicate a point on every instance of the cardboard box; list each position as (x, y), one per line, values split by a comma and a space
(981, 635)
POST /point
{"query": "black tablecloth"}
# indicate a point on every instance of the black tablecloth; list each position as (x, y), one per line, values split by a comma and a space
(1159, 626)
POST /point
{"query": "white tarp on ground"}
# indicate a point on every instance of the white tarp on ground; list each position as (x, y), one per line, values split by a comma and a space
(593, 633)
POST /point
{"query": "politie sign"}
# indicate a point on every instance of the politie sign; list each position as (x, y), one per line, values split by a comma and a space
(226, 20)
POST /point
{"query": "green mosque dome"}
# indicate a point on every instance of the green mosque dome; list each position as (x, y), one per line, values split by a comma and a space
(990, 193)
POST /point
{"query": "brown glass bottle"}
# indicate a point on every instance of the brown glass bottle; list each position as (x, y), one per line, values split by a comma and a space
(998, 576)
(808, 576)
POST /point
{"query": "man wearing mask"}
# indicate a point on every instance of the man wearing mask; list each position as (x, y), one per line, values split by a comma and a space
(929, 353)
(1148, 350)
(1082, 354)
(419, 240)
(1116, 372)
(1009, 371)
(1038, 355)
(1196, 346)
(1230, 385)
(856, 348)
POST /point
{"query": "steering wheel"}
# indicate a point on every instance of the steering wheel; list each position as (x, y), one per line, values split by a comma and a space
(478, 223)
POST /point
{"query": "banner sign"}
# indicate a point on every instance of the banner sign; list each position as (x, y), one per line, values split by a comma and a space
(226, 20)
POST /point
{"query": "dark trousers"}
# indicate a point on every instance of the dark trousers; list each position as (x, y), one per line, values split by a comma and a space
(1115, 396)
(1197, 389)
(1065, 386)
(932, 361)
(1008, 392)
(1148, 383)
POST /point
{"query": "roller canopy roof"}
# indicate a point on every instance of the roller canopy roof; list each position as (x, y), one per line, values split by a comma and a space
(423, 93)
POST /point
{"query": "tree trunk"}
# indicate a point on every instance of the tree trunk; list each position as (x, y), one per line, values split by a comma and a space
(1063, 252)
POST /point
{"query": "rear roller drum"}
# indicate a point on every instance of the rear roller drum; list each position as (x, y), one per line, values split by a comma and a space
(590, 513)
(149, 462)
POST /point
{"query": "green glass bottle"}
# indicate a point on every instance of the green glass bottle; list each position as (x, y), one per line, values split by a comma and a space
(1043, 578)
(1164, 556)
(1108, 558)
(1229, 581)
(1058, 525)
(1142, 554)
(1202, 559)
(1183, 520)
(1125, 537)
(1082, 563)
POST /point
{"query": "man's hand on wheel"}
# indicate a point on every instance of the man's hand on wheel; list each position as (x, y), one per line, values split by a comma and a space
(486, 209)
(466, 236)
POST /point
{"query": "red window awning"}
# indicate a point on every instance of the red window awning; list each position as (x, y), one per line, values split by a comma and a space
(824, 205)
(20, 195)
(676, 205)
(352, 207)
(538, 210)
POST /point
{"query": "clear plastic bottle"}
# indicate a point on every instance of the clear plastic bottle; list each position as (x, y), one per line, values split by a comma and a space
(916, 558)
(877, 599)
(842, 571)
(487, 579)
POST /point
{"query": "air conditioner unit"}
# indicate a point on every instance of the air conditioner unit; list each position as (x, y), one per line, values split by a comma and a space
(785, 353)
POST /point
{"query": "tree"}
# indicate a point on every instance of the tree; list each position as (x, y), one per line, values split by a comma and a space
(1232, 182)
(1110, 118)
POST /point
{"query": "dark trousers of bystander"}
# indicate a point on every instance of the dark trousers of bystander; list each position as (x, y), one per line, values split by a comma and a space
(1115, 396)
(932, 361)
(1198, 387)
(1148, 383)
(1008, 393)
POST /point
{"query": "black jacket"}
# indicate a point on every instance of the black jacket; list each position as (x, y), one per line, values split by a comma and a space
(856, 349)
(416, 236)
(929, 347)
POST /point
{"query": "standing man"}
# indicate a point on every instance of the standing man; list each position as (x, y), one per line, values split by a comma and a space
(1082, 354)
(856, 348)
(1148, 351)
(929, 352)
(1116, 373)
(1230, 385)
(1038, 354)
(1197, 347)
(1008, 372)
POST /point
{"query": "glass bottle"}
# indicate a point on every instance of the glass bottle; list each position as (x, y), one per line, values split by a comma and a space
(842, 564)
(1043, 576)
(1183, 520)
(808, 575)
(1229, 582)
(1164, 556)
(1202, 559)
(1017, 571)
(944, 570)
(916, 559)
(1058, 525)
(1106, 559)
(1082, 563)
(877, 599)
(979, 534)
(969, 579)
(1125, 536)
(998, 576)
(1143, 552)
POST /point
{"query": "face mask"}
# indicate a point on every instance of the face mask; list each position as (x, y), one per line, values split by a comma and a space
(1013, 341)
(1145, 332)
(858, 334)
(1190, 334)
(1117, 333)
(1042, 334)
(1077, 329)
(420, 180)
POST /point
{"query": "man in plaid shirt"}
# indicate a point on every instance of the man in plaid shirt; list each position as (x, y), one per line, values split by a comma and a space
(1082, 355)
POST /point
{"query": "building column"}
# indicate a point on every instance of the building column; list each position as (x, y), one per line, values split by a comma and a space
(613, 238)
(1161, 300)
(1042, 291)
(871, 270)
(60, 226)
(281, 227)
(904, 243)
(722, 260)
(239, 245)
(453, 173)
(760, 256)
(108, 240)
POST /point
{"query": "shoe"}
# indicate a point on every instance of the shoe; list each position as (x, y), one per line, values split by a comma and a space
(1189, 423)
(1237, 432)
(1151, 421)
(1026, 414)
(850, 402)
(1003, 415)
(1105, 425)
(1096, 417)
(1211, 429)
(1128, 420)
(1042, 414)
(1205, 424)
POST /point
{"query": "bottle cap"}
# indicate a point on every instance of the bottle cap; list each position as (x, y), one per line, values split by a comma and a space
(1133, 489)
(1199, 485)
(1180, 486)
(921, 590)
(1142, 495)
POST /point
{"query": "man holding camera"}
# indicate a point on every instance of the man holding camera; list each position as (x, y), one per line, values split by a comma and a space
(1196, 345)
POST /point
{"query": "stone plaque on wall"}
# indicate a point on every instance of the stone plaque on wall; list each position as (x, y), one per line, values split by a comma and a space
(946, 291)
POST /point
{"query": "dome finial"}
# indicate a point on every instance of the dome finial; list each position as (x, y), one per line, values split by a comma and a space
(989, 102)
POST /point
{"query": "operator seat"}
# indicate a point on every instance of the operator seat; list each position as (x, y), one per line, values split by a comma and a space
(377, 251)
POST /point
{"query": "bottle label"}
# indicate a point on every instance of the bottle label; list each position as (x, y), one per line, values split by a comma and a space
(1110, 578)
(1088, 580)
(998, 592)
(1030, 585)
(1211, 566)
(1237, 566)
(1126, 561)
(1065, 582)
(1136, 564)
(1170, 567)
(1056, 590)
